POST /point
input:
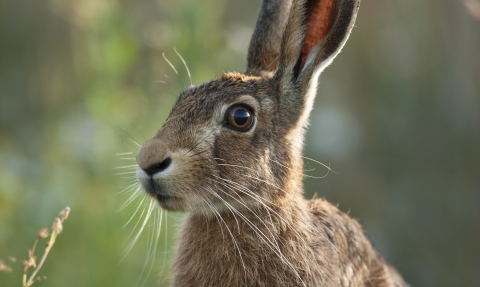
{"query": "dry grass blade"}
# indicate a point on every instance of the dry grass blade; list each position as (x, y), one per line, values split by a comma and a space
(31, 261)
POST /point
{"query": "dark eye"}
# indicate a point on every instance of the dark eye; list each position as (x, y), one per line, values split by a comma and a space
(239, 117)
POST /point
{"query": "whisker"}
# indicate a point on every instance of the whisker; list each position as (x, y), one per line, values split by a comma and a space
(131, 180)
(322, 164)
(205, 150)
(139, 205)
(233, 238)
(166, 240)
(152, 245)
(160, 281)
(149, 249)
(123, 173)
(130, 199)
(264, 181)
(216, 214)
(129, 177)
(126, 166)
(233, 165)
(129, 187)
(173, 67)
(200, 141)
(185, 64)
(235, 183)
(261, 199)
(298, 172)
(142, 203)
(142, 227)
(135, 142)
(323, 235)
(253, 212)
(139, 131)
(130, 137)
(261, 234)
(273, 61)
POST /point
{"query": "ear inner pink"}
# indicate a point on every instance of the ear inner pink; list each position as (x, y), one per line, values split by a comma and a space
(319, 20)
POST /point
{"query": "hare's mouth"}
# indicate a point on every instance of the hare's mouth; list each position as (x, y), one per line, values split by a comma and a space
(154, 189)
(162, 199)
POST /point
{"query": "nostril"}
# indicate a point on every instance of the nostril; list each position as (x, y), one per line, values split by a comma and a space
(159, 167)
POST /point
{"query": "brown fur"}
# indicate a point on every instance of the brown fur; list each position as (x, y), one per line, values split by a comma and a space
(249, 224)
(263, 54)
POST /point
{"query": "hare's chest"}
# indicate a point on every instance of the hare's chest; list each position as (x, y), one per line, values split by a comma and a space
(227, 255)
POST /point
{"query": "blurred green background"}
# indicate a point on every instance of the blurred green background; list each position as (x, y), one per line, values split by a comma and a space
(397, 115)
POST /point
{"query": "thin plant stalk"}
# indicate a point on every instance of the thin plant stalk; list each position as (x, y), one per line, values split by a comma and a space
(57, 228)
(32, 278)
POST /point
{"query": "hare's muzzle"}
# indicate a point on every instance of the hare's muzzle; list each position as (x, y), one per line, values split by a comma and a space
(153, 164)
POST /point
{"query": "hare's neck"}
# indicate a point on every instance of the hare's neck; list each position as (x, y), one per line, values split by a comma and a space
(292, 181)
(229, 245)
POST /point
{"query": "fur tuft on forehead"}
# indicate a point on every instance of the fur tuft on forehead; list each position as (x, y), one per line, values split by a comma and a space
(238, 78)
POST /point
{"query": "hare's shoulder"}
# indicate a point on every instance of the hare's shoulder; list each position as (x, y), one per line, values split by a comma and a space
(344, 236)
(330, 216)
(357, 259)
(340, 231)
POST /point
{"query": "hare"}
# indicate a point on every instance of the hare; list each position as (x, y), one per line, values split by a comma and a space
(230, 154)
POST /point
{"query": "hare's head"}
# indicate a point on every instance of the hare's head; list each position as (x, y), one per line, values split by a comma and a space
(238, 139)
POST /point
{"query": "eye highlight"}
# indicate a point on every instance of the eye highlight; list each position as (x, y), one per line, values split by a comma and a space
(239, 117)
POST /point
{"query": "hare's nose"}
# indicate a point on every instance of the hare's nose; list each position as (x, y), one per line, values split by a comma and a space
(158, 167)
(153, 158)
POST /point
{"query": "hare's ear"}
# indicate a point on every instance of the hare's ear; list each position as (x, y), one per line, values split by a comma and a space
(315, 33)
(264, 51)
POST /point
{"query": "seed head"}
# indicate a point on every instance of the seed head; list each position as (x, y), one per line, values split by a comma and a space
(43, 233)
(57, 225)
(4, 267)
(64, 213)
(31, 261)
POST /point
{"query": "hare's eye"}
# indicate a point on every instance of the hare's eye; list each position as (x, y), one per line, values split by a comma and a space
(239, 117)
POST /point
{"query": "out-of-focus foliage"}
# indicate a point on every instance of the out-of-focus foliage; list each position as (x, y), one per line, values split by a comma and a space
(397, 115)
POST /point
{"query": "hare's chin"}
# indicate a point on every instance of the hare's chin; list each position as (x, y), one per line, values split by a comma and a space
(167, 202)
(154, 189)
